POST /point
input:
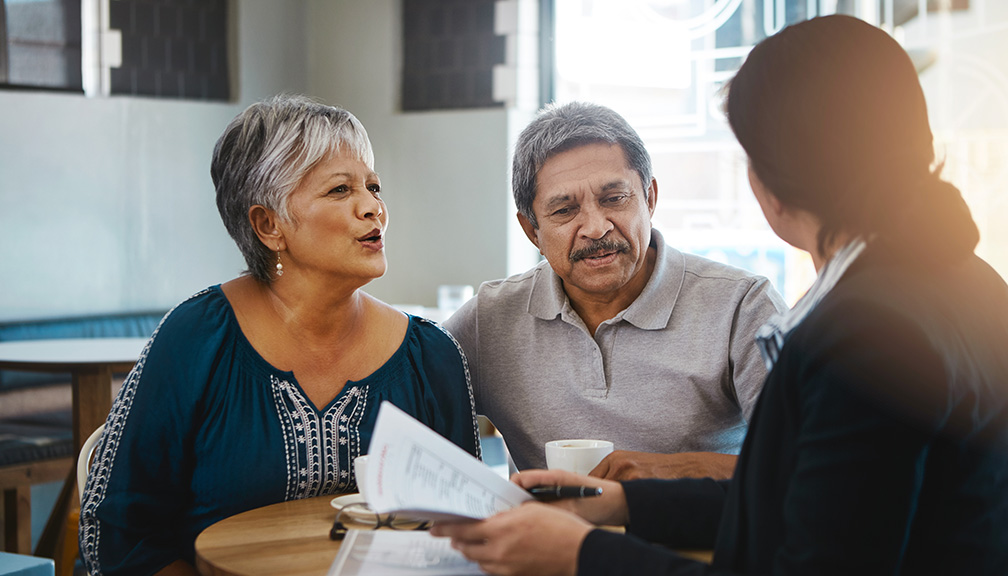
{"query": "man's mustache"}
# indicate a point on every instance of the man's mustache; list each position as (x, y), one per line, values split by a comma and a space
(599, 247)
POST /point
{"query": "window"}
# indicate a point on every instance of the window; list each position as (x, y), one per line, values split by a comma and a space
(40, 44)
(164, 48)
(661, 64)
(450, 49)
(171, 48)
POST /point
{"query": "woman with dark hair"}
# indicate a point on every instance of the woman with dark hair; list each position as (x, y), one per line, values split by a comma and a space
(266, 388)
(879, 444)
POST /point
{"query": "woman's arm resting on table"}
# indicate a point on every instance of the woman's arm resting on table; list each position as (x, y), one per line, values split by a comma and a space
(626, 465)
(537, 538)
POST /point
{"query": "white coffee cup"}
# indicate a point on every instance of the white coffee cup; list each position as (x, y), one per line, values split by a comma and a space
(578, 456)
(360, 472)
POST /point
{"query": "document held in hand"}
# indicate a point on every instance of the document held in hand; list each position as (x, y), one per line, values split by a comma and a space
(414, 471)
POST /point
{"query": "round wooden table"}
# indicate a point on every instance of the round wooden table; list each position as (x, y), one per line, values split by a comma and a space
(290, 538)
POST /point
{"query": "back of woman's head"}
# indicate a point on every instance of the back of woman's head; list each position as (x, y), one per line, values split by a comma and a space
(266, 151)
(833, 119)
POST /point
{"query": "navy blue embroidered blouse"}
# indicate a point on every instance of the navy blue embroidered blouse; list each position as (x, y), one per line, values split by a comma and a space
(204, 428)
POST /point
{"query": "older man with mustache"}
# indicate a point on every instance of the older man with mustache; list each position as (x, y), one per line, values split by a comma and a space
(616, 336)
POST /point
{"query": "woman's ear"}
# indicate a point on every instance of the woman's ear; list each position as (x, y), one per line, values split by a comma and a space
(265, 223)
(795, 226)
(770, 204)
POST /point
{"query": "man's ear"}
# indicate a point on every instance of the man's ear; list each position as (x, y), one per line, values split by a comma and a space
(265, 224)
(652, 196)
(530, 230)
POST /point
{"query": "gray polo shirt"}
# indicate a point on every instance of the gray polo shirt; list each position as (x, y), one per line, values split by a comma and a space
(676, 371)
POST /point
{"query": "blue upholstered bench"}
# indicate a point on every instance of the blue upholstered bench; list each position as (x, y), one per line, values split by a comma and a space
(36, 436)
(126, 325)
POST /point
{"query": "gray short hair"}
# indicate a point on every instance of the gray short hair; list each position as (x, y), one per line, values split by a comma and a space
(265, 152)
(558, 128)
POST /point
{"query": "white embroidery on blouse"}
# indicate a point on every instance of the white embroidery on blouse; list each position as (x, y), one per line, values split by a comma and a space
(105, 453)
(320, 448)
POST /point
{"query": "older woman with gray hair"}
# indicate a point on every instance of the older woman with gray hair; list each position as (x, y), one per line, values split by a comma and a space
(266, 387)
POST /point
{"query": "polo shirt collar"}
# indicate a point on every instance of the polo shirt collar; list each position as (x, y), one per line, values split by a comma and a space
(650, 311)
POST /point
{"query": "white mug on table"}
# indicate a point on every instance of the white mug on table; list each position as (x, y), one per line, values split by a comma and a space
(360, 473)
(579, 455)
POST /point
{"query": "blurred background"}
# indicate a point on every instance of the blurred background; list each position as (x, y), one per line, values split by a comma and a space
(109, 110)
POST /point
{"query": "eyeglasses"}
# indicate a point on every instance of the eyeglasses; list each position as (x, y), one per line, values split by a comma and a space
(357, 516)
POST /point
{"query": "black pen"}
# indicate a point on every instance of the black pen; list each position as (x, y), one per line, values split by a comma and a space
(551, 493)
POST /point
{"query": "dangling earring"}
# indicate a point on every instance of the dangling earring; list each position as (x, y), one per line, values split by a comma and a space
(279, 265)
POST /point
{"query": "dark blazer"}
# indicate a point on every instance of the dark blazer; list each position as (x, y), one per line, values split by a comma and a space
(879, 444)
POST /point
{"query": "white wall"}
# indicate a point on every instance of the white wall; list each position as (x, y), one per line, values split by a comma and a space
(444, 174)
(106, 204)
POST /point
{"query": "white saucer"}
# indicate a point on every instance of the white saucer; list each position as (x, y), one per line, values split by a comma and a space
(361, 513)
(357, 512)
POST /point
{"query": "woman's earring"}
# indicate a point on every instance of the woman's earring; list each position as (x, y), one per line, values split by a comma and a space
(279, 265)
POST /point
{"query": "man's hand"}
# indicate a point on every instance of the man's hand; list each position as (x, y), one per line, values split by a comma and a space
(625, 465)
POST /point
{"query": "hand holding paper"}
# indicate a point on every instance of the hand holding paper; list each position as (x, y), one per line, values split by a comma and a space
(414, 471)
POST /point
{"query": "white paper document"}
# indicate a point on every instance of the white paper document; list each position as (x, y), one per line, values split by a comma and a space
(414, 470)
(395, 553)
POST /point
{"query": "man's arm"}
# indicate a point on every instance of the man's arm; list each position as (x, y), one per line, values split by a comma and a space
(626, 465)
(749, 371)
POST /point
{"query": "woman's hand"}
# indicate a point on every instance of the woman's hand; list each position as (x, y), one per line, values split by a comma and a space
(538, 538)
(610, 508)
(533, 538)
